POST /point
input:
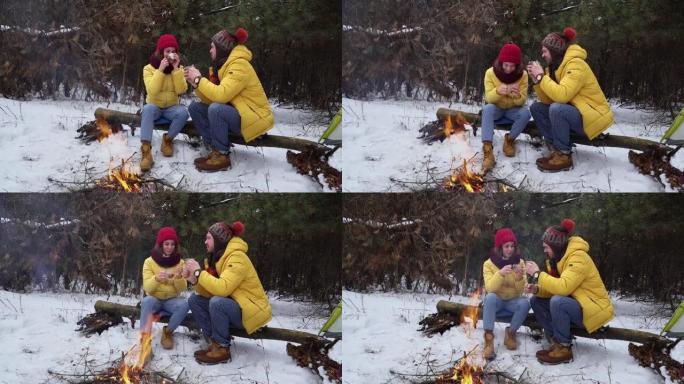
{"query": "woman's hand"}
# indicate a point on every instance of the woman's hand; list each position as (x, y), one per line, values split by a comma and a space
(514, 90)
(518, 272)
(506, 270)
(176, 63)
(531, 267)
(164, 64)
(502, 89)
(162, 277)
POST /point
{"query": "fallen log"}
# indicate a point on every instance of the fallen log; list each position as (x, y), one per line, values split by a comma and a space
(133, 313)
(606, 332)
(603, 140)
(273, 141)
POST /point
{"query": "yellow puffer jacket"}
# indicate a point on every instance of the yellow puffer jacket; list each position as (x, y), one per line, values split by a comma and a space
(578, 86)
(491, 83)
(162, 89)
(506, 287)
(240, 86)
(580, 279)
(238, 280)
(162, 291)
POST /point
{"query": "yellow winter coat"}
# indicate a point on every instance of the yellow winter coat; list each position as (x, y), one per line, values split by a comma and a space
(162, 89)
(579, 279)
(491, 83)
(162, 291)
(238, 280)
(578, 86)
(506, 287)
(240, 86)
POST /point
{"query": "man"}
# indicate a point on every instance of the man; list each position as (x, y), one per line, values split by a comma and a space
(228, 294)
(571, 100)
(570, 292)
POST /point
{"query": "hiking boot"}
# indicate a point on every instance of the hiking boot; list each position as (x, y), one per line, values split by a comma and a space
(215, 355)
(146, 161)
(509, 146)
(547, 344)
(558, 354)
(167, 145)
(550, 148)
(557, 162)
(488, 352)
(167, 338)
(509, 340)
(216, 161)
(488, 161)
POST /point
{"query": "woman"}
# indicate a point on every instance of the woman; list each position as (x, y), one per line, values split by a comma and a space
(164, 82)
(570, 292)
(233, 102)
(163, 284)
(505, 96)
(504, 280)
(228, 292)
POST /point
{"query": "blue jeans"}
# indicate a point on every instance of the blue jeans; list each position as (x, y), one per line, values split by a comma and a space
(556, 315)
(495, 307)
(491, 115)
(556, 122)
(176, 114)
(176, 307)
(215, 123)
(216, 316)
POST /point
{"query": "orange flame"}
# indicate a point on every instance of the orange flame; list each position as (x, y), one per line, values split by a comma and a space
(105, 130)
(121, 177)
(135, 360)
(470, 181)
(451, 127)
(448, 127)
(470, 313)
(464, 372)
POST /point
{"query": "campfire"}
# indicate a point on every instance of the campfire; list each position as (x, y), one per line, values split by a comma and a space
(463, 373)
(450, 128)
(121, 179)
(98, 129)
(463, 178)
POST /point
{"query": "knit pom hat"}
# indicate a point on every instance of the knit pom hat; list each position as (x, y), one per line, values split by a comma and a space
(166, 233)
(557, 43)
(225, 41)
(166, 41)
(503, 236)
(510, 53)
(557, 236)
(222, 232)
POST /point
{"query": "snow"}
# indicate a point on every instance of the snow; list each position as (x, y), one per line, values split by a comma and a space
(37, 140)
(38, 334)
(386, 156)
(387, 348)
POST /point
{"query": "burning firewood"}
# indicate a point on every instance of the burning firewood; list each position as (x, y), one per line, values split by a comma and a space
(313, 162)
(463, 179)
(119, 373)
(650, 355)
(463, 372)
(439, 130)
(98, 130)
(314, 355)
(656, 162)
(98, 322)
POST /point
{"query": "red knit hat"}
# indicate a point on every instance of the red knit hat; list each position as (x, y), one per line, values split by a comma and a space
(503, 236)
(167, 233)
(510, 53)
(166, 41)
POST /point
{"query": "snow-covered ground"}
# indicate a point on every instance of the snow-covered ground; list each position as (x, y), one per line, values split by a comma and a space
(37, 334)
(383, 153)
(383, 345)
(37, 140)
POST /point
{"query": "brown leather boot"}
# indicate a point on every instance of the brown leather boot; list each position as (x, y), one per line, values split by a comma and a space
(146, 161)
(488, 352)
(559, 161)
(509, 146)
(167, 338)
(509, 340)
(215, 355)
(541, 352)
(488, 161)
(558, 354)
(215, 162)
(167, 146)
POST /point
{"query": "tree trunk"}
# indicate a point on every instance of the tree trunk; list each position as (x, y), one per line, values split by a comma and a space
(282, 334)
(607, 332)
(607, 140)
(274, 141)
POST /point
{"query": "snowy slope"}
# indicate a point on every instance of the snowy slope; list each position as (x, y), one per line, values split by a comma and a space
(37, 335)
(384, 346)
(37, 141)
(384, 155)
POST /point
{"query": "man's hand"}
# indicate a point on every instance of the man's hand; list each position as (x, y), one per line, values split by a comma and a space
(531, 267)
(191, 73)
(534, 69)
(531, 288)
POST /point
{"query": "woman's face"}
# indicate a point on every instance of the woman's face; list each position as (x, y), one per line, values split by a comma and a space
(209, 241)
(168, 51)
(508, 249)
(212, 51)
(508, 68)
(548, 251)
(168, 246)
